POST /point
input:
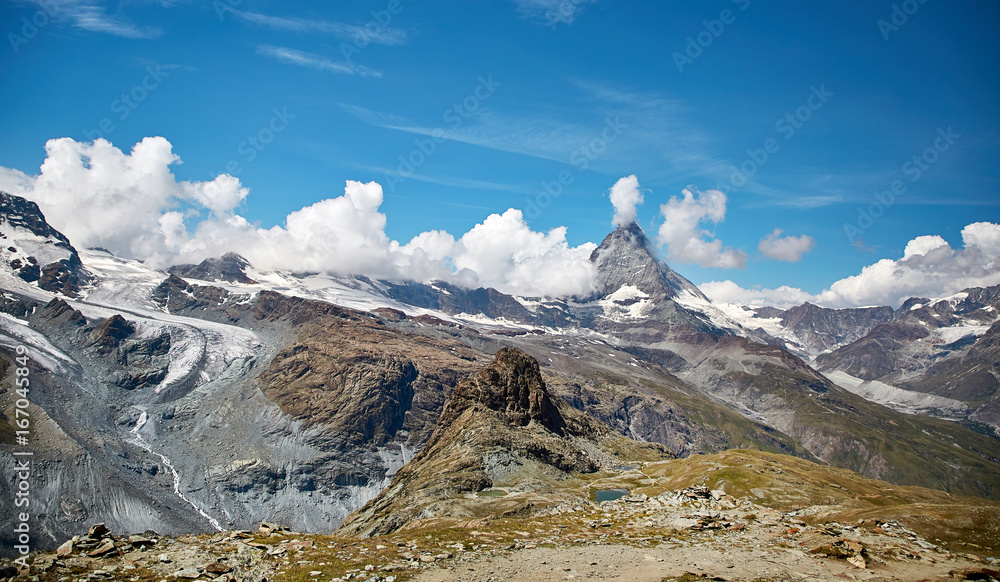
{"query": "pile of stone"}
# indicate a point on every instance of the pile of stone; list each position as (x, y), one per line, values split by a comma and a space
(853, 551)
(701, 492)
(705, 520)
(99, 543)
(272, 528)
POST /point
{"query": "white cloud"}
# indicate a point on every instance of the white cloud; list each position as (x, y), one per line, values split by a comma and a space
(625, 196)
(360, 35)
(129, 203)
(730, 292)
(314, 61)
(683, 237)
(505, 253)
(551, 12)
(922, 245)
(223, 194)
(930, 267)
(94, 18)
(100, 196)
(786, 248)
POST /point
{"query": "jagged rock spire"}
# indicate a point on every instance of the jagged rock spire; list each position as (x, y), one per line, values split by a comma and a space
(627, 257)
(511, 385)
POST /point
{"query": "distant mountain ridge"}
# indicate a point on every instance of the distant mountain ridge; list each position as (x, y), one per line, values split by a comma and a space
(35, 252)
(932, 352)
(252, 395)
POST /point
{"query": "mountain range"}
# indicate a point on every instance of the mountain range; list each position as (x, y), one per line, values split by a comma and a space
(215, 396)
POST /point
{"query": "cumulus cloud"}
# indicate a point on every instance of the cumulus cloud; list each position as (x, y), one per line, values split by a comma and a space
(100, 196)
(505, 253)
(730, 292)
(132, 205)
(929, 267)
(683, 236)
(625, 196)
(786, 248)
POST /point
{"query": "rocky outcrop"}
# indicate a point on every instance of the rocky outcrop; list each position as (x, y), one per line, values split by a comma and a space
(499, 427)
(511, 386)
(58, 311)
(361, 395)
(229, 268)
(36, 252)
(111, 333)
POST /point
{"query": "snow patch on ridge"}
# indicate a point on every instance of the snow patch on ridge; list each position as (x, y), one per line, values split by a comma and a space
(43, 248)
(723, 316)
(898, 399)
(954, 333)
(627, 302)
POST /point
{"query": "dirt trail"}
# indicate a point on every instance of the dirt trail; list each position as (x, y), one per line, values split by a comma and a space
(619, 562)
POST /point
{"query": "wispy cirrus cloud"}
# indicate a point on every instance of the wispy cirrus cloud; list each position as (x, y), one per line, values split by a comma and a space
(383, 35)
(551, 12)
(94, 18)
(625, 128)
(314, 61)
(455, 182)
(538, 137)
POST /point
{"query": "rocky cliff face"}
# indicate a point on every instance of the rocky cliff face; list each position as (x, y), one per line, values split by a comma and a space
(626, 258)
(943, 348)
(822, 329)
(499, 428)
(35, 252)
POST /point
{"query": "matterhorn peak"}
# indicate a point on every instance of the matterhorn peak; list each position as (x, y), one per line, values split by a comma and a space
(628, 257)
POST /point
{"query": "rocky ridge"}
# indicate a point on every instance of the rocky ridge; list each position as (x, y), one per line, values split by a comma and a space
(36, 252)
(939, 354)
(499, 427)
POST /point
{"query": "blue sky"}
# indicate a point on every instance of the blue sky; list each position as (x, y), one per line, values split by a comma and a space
(822, 103)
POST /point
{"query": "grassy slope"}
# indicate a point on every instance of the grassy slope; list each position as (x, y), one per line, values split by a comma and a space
(879, 442)
(788, 484)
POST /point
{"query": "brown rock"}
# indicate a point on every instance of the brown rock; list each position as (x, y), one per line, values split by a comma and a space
(98, 530)
(270, 528)
(218, 568)
(65, 549)
(106, 547)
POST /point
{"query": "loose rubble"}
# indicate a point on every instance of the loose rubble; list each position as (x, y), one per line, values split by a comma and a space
(688, 534)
